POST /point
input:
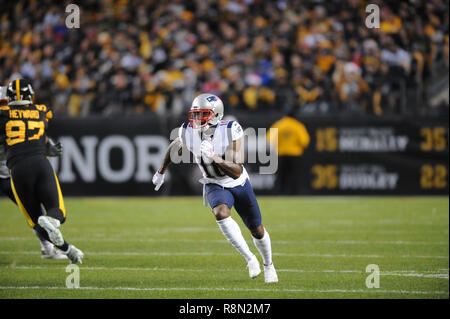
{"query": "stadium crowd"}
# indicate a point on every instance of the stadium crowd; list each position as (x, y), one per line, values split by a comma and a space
(133, 56)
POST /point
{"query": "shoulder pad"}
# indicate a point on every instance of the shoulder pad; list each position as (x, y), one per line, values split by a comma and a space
(41, 107)
(48, 115)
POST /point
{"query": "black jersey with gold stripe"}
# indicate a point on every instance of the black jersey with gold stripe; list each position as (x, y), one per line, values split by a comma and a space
(23, 130)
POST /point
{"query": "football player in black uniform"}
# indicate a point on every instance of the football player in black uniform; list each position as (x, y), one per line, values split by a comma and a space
(48, 251)
(23, 127)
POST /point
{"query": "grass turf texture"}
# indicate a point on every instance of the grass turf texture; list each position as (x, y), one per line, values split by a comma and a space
(172, 248)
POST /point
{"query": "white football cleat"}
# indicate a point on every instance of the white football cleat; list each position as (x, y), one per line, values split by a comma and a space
(74, 254)
(51, 226)
(53, 253)
(270, 274)
(253, 267)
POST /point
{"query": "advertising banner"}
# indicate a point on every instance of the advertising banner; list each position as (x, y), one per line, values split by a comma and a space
(362, 156)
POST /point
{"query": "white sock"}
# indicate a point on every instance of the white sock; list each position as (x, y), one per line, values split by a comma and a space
(232, 233)
(264, 247)
(45, 244)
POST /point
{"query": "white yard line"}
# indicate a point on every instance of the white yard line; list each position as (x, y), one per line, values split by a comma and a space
(399, 273)
(162, 253)
(381, 222)
(374, 231)
(412, 274)
(311, 227)
(223, 241)
(359, 291)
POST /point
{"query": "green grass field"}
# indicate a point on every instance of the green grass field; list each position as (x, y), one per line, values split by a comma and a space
(172, 248)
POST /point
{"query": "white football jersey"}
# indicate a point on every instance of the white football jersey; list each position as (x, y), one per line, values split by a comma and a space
(224, 134)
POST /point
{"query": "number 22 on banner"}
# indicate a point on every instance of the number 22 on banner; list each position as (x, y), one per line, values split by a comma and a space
(433, 176)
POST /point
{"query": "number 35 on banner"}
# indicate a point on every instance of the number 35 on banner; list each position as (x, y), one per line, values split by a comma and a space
(434, 139)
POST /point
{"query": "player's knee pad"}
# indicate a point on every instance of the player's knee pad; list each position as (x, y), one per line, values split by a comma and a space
(57, 214)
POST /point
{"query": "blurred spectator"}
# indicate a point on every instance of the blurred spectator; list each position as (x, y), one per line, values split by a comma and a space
(289, 138)
(132, 56)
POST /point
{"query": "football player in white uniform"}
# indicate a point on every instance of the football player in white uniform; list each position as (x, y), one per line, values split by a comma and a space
(218, 150)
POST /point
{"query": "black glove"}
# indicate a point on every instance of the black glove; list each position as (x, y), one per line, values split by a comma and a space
(54, 149)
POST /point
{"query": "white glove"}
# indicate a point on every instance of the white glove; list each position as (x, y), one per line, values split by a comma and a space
(158, 180)
(206, 149)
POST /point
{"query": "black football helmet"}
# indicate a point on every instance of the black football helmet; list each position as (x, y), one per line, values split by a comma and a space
(20, 92)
